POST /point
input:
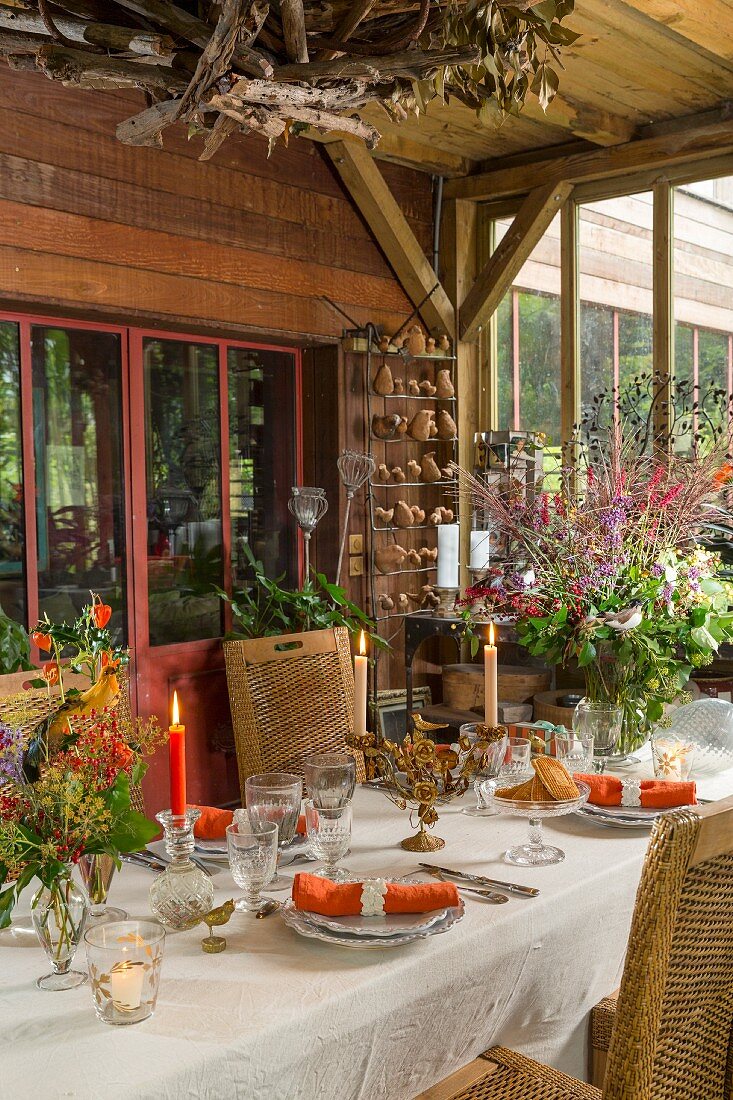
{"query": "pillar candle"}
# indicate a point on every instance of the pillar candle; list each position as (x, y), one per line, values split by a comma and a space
(491, 691)
(448, 555)
(361, 668)
(177, 757)
(480, 550)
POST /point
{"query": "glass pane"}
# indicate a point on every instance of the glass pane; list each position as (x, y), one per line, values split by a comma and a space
(616, 307)
(183, 471)
(77, 417)
(261, 460)
(703, 309)
(12, 577)
(528, 343)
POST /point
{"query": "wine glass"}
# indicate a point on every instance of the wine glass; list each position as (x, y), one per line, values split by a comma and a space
(536, 853)
(274, 796)
(329, 837)
(252, 859)
(489, 759)
(330, 778)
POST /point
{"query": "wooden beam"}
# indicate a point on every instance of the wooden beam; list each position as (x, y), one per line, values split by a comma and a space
(582, 119)
(489, 345)
(663, 317)
(707, 25)
(498, 274)
(366, 185)
(569, 329)
(399, 148)
(695, 139)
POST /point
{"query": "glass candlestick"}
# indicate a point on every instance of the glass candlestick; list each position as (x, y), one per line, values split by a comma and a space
(183, 893)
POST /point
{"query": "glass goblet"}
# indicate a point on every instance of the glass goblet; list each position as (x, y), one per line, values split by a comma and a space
(96, 870)
(575, 752)
(330, 778)
(602, 722)
(252, 860)
(275, 796)
(329, 837)
(536, 853)
(489, 760)
(518, 760)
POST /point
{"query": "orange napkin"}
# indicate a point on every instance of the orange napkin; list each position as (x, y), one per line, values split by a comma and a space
(343, 899)
(212, 825)
(656, 794)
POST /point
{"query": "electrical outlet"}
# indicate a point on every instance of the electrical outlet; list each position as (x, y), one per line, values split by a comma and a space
(356, 565)
(356, 546)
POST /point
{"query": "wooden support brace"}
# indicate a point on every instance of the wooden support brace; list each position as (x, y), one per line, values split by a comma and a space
(498, 274)
(367, 187)
(663, 324)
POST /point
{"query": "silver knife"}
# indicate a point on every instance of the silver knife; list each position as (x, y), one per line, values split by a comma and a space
(510, 887)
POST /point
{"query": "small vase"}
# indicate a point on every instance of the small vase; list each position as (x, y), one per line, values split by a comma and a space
(602, 722)
(182, 895)
(59, 914)
(96, 872)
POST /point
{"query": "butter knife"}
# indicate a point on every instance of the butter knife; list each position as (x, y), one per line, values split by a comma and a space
(510, 887)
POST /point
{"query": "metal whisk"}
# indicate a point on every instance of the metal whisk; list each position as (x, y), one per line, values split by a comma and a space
(355, 469)
(308, 505)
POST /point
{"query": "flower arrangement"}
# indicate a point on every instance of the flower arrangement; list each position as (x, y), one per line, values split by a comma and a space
(607, 571)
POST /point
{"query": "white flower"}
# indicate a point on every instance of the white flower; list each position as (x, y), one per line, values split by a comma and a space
(373, 892)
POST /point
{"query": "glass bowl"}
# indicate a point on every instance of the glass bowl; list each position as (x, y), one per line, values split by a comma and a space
(536, 853)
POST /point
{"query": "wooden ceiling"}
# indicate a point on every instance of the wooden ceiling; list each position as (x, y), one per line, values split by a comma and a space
(637, 63)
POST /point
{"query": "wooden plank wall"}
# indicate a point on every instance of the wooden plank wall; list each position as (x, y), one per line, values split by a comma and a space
(241, 243)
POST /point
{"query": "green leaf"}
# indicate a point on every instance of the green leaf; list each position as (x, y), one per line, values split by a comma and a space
(587, 654)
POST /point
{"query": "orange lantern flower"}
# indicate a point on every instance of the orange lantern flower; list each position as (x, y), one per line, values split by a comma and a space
(51, 672)
(101, 613)
(43, 641)
(108, 660)
(724, 474)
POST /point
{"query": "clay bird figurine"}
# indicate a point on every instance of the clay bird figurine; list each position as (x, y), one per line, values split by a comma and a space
(427, 389)
(430, 345)
(384, 515)
(413, 387)
(386, 602)
(402, 426)
(384, 344)
(428, 554)
(399, 385)
(446, 425)
(430, 470)
(419, 426)
(413, 559)
(435, 518)
(398, 340)
(414, 470)
(390, 559)
(214, 919)
(444, 387)
(398, 474)
(443, 342)
(383, 381)
(402, 602)
(383, 473)
(447, 473)
(385, 427)
(416, 341)
(433, 429)
(403, 516)
(418, 513)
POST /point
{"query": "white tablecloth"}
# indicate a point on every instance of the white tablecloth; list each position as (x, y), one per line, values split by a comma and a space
(279, 1017)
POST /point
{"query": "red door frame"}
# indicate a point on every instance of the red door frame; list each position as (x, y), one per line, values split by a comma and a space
(133, 430)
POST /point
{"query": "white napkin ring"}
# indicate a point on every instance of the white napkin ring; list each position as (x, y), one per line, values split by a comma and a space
(373, 893)
(631, 792)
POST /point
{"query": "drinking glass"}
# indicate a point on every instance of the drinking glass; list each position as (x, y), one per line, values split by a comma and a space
(96, 870)
(329, 837)
(672, 757)
(602, 722)
(518, 760)
(330, 778)
(575, 752)
(124, 960)
(252, 859)
(490, 760)
(275, 796)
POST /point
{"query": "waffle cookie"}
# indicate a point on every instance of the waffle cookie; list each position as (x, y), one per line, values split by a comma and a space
(554, 778)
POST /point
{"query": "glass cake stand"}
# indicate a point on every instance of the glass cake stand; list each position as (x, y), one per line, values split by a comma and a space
(536, 853)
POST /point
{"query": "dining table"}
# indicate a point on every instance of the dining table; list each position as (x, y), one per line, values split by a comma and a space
(277, 1016)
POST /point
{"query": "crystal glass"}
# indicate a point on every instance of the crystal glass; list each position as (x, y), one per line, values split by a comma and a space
(59, 914)
(602, 722)
(252, 860)
(491, 761)
(330, 779)
(536, 853)
(672, 757)
(183, 893)
(518, 759)
(96, 872)
(329, 837)
(275, 796)
(575, 752)
(124, 960)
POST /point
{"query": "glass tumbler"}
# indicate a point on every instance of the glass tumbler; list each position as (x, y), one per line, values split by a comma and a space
(517, 760)
(602, 722)
(124, 960)
(330, 778)
(275, 796)
(252, 860)
(329, 837)
(575, 752)
(672, 757)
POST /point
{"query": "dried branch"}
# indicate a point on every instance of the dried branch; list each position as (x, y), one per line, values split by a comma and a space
(219, 132)
(80, 33)
(410, 65)
(354, 16)
(146, 128)
(293, 21)
(216, 57)
(100, 72)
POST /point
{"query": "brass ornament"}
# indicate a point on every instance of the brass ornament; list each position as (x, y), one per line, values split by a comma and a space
(212, 944)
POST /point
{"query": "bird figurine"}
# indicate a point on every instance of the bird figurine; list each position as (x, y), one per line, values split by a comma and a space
(386, 602)
(402, 601)
(384, 515)
(399, 385)
(413, 387)
(212, 944)
(383, 473)
(622, 621)
(427, 389)
(398, 474)
(414, 469)
(423, 726)
(103, 693)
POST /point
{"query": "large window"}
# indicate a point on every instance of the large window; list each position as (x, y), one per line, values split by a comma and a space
(12, 583)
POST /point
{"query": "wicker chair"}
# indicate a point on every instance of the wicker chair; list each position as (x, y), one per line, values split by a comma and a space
(290, 696)
(673, 1033)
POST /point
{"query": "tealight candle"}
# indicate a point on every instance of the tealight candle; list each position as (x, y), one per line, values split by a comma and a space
(361, 668)
(126, 985)
(177, 758)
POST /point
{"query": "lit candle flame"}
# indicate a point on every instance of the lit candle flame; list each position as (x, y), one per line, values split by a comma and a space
(492, 639)
(362, 645)
(175, 715)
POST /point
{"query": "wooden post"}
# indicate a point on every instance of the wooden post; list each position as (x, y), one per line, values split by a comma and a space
(458, 236)
(663, 326)
(488, 339)
(569, 329)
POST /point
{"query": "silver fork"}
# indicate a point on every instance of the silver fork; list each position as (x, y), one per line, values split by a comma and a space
(488, 895)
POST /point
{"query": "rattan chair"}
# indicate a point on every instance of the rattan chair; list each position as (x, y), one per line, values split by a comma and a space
(290, 696)
(673, 1033)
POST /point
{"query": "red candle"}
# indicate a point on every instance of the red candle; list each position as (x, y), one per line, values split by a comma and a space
(177, 751)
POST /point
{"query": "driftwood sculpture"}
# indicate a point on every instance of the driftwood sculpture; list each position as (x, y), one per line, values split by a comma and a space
(279, 67)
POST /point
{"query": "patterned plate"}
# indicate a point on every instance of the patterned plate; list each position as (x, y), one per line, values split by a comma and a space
(296, 920)
(386, 924)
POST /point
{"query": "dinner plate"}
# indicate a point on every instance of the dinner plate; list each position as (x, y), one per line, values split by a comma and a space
(216, 851)
(296, 920)
(382, 924)
(623, 817)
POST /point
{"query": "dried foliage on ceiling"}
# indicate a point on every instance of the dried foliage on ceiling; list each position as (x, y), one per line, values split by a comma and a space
(277, 67)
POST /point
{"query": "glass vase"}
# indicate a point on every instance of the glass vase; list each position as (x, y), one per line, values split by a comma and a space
(599, 725)
(609, 683)
(182, 895)
(96, 872)
(59, 914)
